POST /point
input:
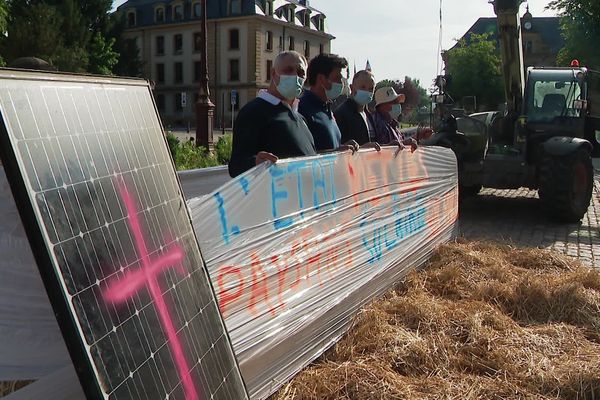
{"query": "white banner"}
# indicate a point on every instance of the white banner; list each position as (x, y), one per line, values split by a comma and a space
(31, 345)
(296, 248)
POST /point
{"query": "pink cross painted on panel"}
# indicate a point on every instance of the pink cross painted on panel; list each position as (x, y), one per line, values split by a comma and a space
(120, 290)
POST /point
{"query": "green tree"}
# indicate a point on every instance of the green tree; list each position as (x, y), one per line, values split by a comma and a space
(3, 19)
(89, 29)
(34, 31)
(416, 95)
(396, 84)
(102, 57)
(70, 34)
(129, 62)
(580, 25)
(475, 70)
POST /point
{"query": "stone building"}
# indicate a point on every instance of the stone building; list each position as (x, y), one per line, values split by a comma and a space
(244, 37)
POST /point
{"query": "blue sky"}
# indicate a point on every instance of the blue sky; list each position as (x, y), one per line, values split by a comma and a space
(400, 37)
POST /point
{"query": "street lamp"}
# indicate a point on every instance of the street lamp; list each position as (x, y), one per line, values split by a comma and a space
(204, 107)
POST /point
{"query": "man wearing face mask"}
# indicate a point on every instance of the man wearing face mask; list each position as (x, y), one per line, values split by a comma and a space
(268, 128)
(388, 109)
(352, 117)
(325, 82)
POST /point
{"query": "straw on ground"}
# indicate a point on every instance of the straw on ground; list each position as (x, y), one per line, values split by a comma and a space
(480, 321)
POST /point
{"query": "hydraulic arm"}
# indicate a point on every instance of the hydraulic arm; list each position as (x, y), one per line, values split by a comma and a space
(511, 47)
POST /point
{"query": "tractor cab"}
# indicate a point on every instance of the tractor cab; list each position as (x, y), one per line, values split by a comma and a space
(554, 102)
(554, 95)
(560, 102)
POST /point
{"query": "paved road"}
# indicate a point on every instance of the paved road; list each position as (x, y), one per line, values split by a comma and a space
(514, 216)
(199, 182)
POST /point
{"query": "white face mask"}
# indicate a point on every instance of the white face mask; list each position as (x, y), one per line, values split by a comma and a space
(396, 111)
(363, 97)
(335, 91)
(290, 86)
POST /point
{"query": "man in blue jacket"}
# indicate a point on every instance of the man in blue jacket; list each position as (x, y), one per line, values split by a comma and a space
(325, 85)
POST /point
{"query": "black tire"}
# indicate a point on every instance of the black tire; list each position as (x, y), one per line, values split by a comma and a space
(566, 185)
(469, 191)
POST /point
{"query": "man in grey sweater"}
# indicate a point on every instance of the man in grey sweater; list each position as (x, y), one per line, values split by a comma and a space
(268, 128)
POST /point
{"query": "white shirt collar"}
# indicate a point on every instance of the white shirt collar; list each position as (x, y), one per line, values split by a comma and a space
(269, 98)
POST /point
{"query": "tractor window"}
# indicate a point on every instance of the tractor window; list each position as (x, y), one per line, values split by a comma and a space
(551, 99)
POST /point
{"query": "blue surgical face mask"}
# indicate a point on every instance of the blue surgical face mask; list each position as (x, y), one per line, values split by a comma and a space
(396, 111)
(335, 91)
(363, 97)
(290, 86)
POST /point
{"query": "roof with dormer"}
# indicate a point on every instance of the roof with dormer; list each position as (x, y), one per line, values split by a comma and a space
(145, 11)
(547, 27)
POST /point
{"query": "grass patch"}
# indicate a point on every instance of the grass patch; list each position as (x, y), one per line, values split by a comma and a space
(187, 155)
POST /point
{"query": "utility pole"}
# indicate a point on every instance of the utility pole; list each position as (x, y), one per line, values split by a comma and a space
(204, 107)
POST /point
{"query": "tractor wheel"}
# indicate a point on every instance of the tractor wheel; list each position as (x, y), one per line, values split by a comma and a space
(469, 191)
(566, 185)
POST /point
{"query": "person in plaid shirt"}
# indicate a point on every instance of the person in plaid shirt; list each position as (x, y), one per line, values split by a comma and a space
(388, 109)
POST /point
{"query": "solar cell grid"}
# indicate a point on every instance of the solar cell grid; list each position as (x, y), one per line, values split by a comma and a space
(119, 256)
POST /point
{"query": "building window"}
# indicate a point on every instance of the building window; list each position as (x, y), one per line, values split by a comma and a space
(159, 14)
(269, 8)
(307, 49)
(269, 39)
(160, 73)
(197, 9)
(177, 12)
(178, 72)
(160, 45)
(319, 22)
(235, 7)
(321, 49)
(269, 68)
(197, 71)
(160, 102)
(178, 43)
(234, 70)
(234, 39)
(178, 106)
(281, 43)
(292, 44)
(130, 19)
(528, 47)
(197, 41)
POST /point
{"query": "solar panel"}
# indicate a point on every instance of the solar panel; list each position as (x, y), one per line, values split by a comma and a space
(97, 191)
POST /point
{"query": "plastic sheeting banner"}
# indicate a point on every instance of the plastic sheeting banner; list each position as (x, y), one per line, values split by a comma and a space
(31, 345)
(296, 248)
